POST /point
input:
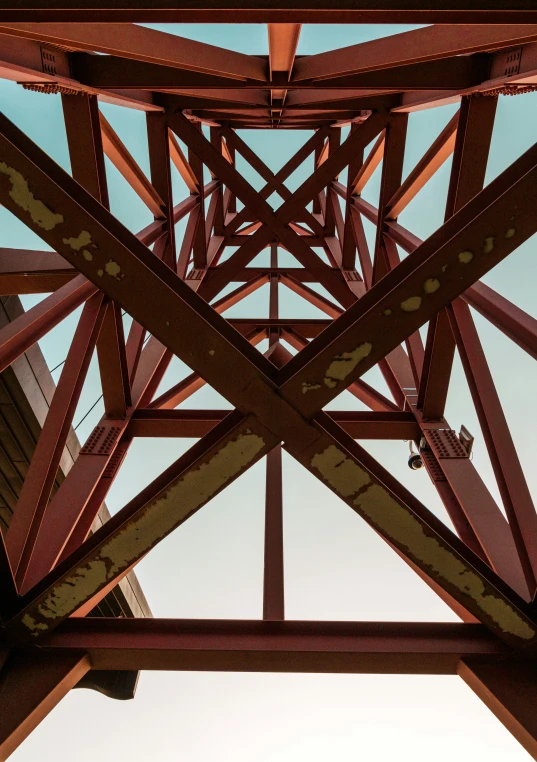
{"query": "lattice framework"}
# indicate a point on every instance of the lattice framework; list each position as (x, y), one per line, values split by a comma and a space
(197, 98)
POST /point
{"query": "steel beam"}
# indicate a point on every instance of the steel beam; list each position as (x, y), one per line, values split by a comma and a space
(257, 646)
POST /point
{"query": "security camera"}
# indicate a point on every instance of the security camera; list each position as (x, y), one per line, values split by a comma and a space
(415, 462)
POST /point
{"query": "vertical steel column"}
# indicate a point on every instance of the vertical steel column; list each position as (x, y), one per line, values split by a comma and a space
(392, 171)
(273, 581)
(200, 242)
(159, 160)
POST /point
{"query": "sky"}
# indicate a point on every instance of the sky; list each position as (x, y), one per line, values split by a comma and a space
(336, 567)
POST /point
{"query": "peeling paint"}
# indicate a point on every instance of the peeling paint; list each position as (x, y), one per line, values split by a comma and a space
(431, 285)
(489, 244)
(21, 194)
(211, 351)
(156, 521)
(82, 240)
(399, 525)
(345, 363)
(306, 387)
(342, 473)
(465, 257)
(387, 312)
(88, 256)
(411, 304)
(444, 268)
(510, 233)
(403, 528)
(100, 273)
(112, 268)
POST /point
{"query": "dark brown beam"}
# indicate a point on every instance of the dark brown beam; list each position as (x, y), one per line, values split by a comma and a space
(196, 423)
(282, 11)
(257, 646)
(429, 44)
(141, 44)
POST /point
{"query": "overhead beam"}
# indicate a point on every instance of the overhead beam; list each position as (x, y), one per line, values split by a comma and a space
(217, 11)
(257, 646)
(428, 44)
(141, 44)
(196, 423)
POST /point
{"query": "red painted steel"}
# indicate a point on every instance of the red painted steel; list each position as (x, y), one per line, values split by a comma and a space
(197, 97)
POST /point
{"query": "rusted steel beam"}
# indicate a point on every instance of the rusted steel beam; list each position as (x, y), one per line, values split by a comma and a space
(364, 392)
(23, 332)
(113, 364)
(209, 221)
(199, 244)
(30, 687)
(477, 519)
(348, 237)
(128, 167)
(157, 421)
(474, 134)
(88, 133)
(333, 143)
(283, 42)
(23, 271)
(273, 183)
(275, 224)
(385, 256)
(454, 257)
(473, 510)
(273, 575)
(220, 212)
(214, 11)
(459, 74)
(439, 354)
(72, 511)
(116, 249)
(312, 445)
(143, 44)
(427, 44)
(370, 164)
(178, 644)
(183, 260)
(508, 690)
(182, 165)
(184, 389)
(510, 319)
(472, 145)
(313, 297)
(430, 163)
(85, 141)
(159, 162)
(217, 460)
(506, 619)
(358, 232)
(35, 494)
(512, 484)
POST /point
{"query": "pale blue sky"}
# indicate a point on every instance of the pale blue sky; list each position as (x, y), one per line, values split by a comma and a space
(336, 567)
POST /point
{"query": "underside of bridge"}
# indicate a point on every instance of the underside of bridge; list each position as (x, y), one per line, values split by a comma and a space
(71, 610)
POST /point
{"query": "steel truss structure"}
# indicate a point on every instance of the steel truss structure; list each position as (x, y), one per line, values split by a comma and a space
(197, 98)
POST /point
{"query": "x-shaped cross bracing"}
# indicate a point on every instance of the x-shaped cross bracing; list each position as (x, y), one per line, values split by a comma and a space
(272, 406)
(275, 224)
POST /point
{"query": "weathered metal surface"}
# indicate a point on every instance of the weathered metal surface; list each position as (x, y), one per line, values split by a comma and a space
(374, 306)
